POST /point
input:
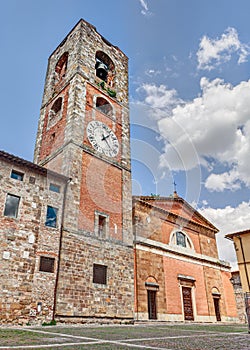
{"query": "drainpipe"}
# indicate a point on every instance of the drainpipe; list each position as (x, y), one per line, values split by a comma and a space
(60, 247)
(136, 271)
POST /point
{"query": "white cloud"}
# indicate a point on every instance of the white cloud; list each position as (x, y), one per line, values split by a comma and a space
(220, 182)
(145, 10)
(159, 97)
(214, 126)
(228, 220)
(213, 52)
(152, 72)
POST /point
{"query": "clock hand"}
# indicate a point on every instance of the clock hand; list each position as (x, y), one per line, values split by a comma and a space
(105, 137)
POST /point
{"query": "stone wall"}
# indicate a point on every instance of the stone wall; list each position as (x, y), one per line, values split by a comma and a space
(239, 296)
(78, 297)
(23, 240)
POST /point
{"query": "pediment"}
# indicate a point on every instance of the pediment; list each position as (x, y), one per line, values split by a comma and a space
(179, 207)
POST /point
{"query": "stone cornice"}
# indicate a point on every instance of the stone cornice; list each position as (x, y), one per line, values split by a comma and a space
(180, 253)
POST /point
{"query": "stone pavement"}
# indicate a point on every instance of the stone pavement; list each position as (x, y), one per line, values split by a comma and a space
(155, 336)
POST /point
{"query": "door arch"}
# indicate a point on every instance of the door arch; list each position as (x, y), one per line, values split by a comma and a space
(152, 288)
(216, 299)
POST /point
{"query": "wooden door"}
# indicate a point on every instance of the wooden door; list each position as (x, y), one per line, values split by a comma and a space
(152, 313)
(187, 304)
(217, 308)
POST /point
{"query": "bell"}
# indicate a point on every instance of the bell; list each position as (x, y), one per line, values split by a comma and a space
(101, 70)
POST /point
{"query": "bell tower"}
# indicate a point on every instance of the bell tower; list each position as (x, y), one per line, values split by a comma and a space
(83, 133)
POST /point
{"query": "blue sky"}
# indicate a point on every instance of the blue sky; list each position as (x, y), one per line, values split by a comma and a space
(189, 67)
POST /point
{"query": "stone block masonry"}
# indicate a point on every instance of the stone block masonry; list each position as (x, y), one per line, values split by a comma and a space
(25, 239)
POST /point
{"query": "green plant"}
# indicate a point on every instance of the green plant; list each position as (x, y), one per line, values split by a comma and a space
(102, 85)
(51, 323)
(111, 93)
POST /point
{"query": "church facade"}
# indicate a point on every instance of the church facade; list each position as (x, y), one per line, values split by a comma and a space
(71, 248)
(179, 276)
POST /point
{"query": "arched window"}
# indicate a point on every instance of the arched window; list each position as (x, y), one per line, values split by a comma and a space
(57, 105)
(55, 112)
(61, 66)
(104, 106)
(105, 68)
(181, 239)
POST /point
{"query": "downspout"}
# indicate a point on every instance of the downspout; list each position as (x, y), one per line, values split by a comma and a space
(244, 262)
(60, 247)
(136, 271)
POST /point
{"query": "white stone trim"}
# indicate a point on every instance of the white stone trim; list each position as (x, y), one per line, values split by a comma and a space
(186, 255)
(143, 316)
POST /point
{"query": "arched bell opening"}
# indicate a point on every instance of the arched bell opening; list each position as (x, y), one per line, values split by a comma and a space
(105, 68)
(61, 66)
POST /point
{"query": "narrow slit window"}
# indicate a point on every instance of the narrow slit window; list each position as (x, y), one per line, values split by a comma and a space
(102, 221)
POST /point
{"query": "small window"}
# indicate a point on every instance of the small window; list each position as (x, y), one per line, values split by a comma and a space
(181, 239)
(11, 205)
(99, 274)
(16, 175)
(54, 188)
(102, 224)
(51, 217)
(47, 264)
(104, 106)
(32, 180)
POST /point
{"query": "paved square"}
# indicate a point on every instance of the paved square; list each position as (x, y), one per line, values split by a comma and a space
(140, 336)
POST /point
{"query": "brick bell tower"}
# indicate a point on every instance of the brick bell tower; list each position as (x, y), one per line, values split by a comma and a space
(83, 133)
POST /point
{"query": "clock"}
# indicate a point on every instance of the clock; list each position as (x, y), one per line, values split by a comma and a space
(102, 138)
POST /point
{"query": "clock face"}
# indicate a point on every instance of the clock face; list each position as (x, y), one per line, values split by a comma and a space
(102, 138)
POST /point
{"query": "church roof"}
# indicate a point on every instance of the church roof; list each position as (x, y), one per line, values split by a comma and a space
(176, 206)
